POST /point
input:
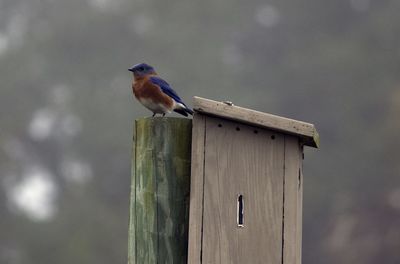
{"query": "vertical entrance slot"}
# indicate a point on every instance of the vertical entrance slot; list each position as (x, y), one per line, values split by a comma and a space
(240, 211)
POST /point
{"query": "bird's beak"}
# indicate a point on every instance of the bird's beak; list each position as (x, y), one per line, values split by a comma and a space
(131, 70)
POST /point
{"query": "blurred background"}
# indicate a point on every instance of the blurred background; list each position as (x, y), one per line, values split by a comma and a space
(66, 113)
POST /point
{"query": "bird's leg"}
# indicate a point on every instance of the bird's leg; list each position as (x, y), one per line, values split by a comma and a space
(163, 114)
(153, 115)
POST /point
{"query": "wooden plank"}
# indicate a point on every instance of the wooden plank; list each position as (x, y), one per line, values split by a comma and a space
(196, 189)
(132, 213)
(300, 208)
(239, 160)
(159, 217)
(305, 131)
(292, 206)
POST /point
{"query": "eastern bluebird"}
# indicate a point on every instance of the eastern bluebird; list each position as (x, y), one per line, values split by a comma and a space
(155, 93)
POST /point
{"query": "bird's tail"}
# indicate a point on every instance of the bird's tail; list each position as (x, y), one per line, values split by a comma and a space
(183, 110)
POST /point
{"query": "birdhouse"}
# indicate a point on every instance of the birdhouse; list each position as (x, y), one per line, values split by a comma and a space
(246, 185)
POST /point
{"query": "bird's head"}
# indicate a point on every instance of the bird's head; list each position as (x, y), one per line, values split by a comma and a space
(142, 69)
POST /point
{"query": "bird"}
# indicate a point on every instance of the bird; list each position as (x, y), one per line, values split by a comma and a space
(155, 93)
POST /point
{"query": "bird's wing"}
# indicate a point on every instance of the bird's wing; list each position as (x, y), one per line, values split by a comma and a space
(166, 88)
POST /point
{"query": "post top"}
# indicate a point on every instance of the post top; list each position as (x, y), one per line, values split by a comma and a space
(306, 132)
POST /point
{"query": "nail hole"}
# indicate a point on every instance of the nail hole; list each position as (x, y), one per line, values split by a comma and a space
(219, 125)
(255, 132)
(273, 137)
(238, 128)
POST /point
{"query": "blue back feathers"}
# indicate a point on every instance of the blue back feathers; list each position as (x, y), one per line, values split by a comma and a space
(166, 88)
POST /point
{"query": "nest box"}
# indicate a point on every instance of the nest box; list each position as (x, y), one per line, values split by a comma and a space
(246, 185)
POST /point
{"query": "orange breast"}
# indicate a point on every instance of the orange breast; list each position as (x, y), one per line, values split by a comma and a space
(145, 89)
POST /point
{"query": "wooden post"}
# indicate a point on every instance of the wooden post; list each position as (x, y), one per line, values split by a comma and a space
(159, 210)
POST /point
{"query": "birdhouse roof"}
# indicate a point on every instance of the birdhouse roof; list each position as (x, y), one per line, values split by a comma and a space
(306, 132)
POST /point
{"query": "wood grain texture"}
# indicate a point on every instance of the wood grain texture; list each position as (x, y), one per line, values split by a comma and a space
(196, 189)
(292, 202)
(132, 218)
(305, 131)
(160, 191)
(299, 222)
(241, 159)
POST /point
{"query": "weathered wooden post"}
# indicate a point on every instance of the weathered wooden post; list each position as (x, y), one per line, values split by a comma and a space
(158, 226)
(246, 185)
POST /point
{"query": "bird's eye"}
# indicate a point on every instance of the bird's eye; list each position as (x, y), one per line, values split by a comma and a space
(141, 69)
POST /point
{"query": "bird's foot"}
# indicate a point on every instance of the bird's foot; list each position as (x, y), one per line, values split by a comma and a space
(154, 114)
